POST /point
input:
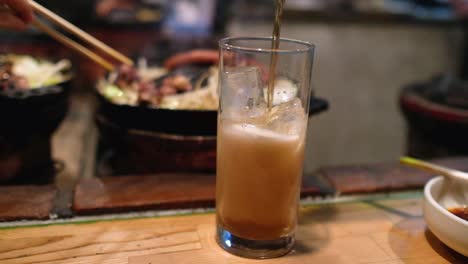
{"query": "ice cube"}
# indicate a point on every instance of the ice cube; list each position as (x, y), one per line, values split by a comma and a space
(242, 92)
(287, 118)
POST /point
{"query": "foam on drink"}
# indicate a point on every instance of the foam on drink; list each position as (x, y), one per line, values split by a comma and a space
(255, 132)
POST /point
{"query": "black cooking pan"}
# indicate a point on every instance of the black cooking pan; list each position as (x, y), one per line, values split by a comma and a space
(39, 110)
(28, 119)
(180, 122)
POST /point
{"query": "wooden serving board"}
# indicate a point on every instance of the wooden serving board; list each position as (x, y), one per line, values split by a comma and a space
(381, 231)
(155, 192)
(385, 177)
(189, 190)
(26, 202)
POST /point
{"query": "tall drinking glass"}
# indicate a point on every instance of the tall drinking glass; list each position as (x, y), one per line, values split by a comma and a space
(260, 149)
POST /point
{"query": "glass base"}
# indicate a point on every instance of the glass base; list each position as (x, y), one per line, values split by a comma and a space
(255, 249)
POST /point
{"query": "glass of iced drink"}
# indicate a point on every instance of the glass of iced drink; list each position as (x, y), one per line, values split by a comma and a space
(260, 144)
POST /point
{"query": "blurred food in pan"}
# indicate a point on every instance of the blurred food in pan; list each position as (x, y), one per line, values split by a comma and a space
(189, 83)
(25, 72)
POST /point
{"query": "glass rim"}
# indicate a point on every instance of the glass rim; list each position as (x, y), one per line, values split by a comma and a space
(307, 46)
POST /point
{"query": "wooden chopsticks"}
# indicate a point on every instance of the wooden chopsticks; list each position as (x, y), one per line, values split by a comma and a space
(73, 44)
(54, 18)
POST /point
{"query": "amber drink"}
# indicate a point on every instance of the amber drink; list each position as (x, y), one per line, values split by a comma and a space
(260, 145)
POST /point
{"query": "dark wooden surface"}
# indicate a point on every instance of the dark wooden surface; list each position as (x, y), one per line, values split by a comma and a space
(163, 191)
(136, 193)
(178, 191)
(388, 177)
(26, 202)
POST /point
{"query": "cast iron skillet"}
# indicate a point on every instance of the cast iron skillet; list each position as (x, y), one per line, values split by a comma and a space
(180, 122)
(28, 119)
(35, 111)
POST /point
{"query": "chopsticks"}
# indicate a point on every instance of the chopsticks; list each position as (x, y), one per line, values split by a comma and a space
(73, 44)
(54, 18)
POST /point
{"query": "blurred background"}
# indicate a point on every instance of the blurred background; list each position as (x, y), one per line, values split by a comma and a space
(371, 55)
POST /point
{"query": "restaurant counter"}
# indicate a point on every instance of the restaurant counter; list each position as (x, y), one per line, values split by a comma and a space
(380, 230)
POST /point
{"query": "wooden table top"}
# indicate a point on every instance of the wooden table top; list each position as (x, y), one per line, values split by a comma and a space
(379, 231)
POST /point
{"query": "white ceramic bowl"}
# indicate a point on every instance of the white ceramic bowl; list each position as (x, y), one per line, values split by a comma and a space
(450, 229)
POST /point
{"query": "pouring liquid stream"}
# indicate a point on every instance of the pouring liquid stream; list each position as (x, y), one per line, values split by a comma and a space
(275, 46)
